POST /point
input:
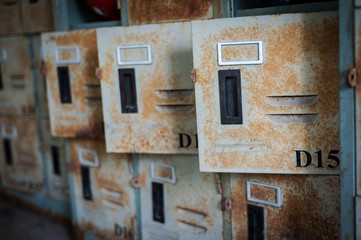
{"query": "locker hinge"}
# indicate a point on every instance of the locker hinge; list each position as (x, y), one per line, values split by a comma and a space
(352, 77)
(194, 75)
(227, 204)
(99, 73)
(136, 182)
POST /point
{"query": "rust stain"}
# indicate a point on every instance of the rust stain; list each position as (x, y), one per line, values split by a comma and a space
(143, 12)
(10, 17)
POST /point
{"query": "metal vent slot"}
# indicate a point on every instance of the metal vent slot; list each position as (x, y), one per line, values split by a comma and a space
(33, 1)
(194, 228)
(111, 193)
(292, 100)
(92, 90)
(93, 100)
(230, 96)
(1, 78)
(292, 118)
(128, 92)
(64, 84)
(10, 3)
(194, 214)
(174, 93)
(56, 160)
(175, 108)
(17, 77)
(255, 222)
(85, 178)
(17, 86)
(158, 202)
(112, 204)
(8, 152)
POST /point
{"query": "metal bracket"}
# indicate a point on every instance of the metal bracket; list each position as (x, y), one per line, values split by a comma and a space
(240, 62)
(227, 204)
(147, 61)
(352, 77)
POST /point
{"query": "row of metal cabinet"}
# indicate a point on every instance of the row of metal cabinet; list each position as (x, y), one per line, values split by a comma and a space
(256, 97)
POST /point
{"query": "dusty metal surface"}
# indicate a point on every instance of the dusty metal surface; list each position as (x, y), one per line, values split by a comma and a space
(17, 92)
(309, 206)
(358, 218)
(289, 101)
(191, 205)
(21, 163)
(37, 15)
(358, 99)
(111, 212)
(83, 116)
(163, 118)
(143, 12)
(56, 171)
(10, 17)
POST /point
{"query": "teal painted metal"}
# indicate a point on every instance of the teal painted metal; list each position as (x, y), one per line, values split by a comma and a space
(90, 236)
(347, 120)
(72, 199)
(124, 13)
(227, 215)
(299, 8)
(61, 15)
(135, 161)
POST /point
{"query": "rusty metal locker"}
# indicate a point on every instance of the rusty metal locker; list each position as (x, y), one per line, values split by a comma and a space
(37, 15)
(148, 96)
(177, 201)
(10, 17)
(144, 12)
(285, 206)
(16, 81)
(21, 162)
(267, 93)
(72, 86)
(105, 198)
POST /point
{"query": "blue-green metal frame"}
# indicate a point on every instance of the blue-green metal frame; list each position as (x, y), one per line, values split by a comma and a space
(347, 120)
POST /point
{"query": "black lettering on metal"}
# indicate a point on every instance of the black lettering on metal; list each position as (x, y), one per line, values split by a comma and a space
(334, 158)
(255, 222)
(182, 144)
(128, 91)
(8, 152)
(85, 177)
(64, 84)
(56, 160)
(319, 159)
(118, 230)
(298, 158)
(158, 202)
(230, 96)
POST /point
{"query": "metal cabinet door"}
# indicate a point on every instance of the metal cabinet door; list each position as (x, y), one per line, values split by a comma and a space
(148, 96)
(37, 15)
(275, 206)
(10, 17)
(267, 93)
(16, 81)
(21, 162)
(104, 197)
(177, 201)
(72, 87)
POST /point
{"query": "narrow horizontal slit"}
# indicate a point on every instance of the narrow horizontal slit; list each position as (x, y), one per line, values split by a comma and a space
(187, 211)
(174, 93)
(17, 77)
(9, 4)
(111, 193)
(292, 100)
(292, 118)
(191, 226)
(112, 204)
(27, 164)
(93, 100)
(18, 86)
(92, 88)
(184, 108)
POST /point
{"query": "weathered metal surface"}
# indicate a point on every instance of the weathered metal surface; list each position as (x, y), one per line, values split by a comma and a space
(310, 206)
(56, 171)
(37, 15)
(83, 116)
(289, 99)
(17, 93)
(21, 163)
(358, 100)
(165, 119)
(143, 12)
(111, 212)
(10, 17)
(191, 205)
(358, 218)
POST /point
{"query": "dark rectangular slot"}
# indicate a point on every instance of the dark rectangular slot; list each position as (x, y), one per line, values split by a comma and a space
(158, 202)
(56, 160)
(85, 178)
(255, 222)
(8, 153)
(1, 78)
(128, 92)
(230, 96)
(33, 1)
(64, 84)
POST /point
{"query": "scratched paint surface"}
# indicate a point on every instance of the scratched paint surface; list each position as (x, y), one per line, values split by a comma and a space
(83, 116)
(289, 103)
(192, 205)
(37, 16)
(143, 12)
(24, 171)
(10, 17)
(113, 197)
(310, 206)
(164, 91)
(358, 99)
(17, 94)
